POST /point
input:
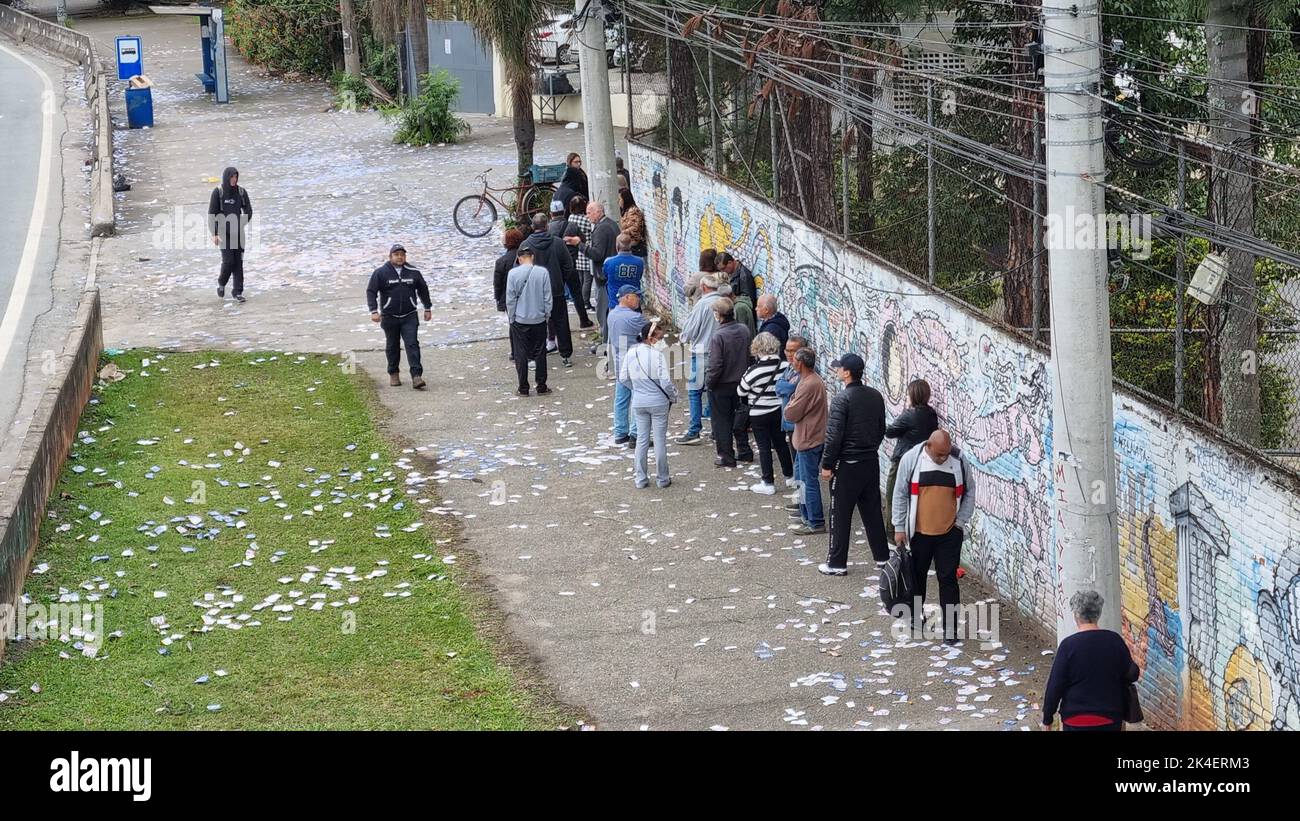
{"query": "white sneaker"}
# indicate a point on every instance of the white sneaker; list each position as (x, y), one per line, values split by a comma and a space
(827, 570)
(764, 488)
(793, 484)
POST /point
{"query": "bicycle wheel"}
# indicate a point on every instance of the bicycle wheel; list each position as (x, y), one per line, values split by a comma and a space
(538, 199)
(474, 215)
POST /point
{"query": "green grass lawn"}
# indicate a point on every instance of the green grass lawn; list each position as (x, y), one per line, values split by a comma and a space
(301, 498)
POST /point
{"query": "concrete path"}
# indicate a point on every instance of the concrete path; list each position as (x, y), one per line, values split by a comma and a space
(687, 608)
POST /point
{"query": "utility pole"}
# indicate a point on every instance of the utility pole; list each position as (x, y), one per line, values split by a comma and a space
(61, 12)
(1083, 426)
(597, 116)
(351, 39)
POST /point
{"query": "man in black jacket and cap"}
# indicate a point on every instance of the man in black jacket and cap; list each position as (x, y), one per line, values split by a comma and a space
(229, 212)
(391, 295)
(551, 253)
(851, 461)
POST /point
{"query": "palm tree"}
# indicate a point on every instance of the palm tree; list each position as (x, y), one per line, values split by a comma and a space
(388, 17)
(509, 25)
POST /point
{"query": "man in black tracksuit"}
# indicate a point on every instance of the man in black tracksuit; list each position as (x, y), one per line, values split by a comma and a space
(391, 295)
(552, 254)
(851, 461)
(229, 212)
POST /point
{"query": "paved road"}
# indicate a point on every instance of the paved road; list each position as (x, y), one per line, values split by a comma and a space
(29, 211)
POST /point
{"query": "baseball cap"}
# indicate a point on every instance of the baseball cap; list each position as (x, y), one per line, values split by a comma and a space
(850, 362)
(628, 289)
(397, 246)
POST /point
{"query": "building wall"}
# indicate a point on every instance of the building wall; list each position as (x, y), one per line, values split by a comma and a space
(1210, 583)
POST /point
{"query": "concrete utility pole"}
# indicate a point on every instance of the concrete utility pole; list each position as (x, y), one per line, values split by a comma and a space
(597, 116)
(1083, 425)
(351, 39)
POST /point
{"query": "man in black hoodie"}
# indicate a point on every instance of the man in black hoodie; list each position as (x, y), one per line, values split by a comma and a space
(855, 428)
(739, 277)
(552, 254)
(229, 212)
(391, 296)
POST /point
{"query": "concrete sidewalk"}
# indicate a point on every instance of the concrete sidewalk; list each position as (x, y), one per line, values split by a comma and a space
(685, 608)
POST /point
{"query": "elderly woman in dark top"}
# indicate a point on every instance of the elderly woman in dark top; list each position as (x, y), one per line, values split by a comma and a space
(1091, 675)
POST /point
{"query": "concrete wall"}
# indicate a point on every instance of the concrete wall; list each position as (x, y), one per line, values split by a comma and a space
(77, 48)
(1208, 532)
(44, 449)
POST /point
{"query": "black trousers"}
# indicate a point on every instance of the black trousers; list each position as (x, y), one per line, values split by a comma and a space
(529, 342)
(232, 265)
(856, 485)
(945, 552)
(579, 299)
(558, 326)
(725, 401)
(401, 331)
(770, 437)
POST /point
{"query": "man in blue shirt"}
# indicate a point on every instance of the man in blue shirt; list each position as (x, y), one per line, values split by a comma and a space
(624, 268)
(625, 323)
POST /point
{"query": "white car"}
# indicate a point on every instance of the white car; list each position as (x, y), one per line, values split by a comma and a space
(559, 43)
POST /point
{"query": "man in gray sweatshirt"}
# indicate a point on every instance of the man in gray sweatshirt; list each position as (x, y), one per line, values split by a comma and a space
(697, 331)
(528, 304)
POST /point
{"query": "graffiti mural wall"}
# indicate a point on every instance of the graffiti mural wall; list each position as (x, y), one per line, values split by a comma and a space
(1210, 560)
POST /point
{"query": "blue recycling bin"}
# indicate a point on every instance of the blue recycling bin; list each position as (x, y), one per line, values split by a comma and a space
(139, 107)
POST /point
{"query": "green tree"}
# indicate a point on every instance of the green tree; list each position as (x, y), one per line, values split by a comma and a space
(510, 25)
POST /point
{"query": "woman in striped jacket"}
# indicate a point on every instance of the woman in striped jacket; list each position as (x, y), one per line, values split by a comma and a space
(758, 390)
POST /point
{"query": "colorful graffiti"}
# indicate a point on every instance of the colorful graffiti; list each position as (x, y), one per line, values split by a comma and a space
(1210, 565)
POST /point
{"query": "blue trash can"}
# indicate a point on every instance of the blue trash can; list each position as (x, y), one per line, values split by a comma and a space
(139, 107)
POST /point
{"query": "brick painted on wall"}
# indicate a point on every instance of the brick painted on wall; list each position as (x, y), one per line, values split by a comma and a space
(1210, 582)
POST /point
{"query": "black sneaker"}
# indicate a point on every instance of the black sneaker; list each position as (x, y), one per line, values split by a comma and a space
(724, 462)
(631, 441)
(747, 457)
(240, 298)
(523, 391)
(622, 440)
(587, 326)
(793, 508)
(221, 291)
(567, 362)
(689, 439)
(542, 390)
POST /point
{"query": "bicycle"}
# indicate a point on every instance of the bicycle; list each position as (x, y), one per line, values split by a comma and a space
(475, 214)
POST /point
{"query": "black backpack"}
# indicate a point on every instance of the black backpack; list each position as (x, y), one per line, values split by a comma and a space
(896, 580)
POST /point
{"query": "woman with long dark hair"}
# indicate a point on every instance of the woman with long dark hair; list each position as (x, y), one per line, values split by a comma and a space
(511, 240)
(574, 181)
(229, 212)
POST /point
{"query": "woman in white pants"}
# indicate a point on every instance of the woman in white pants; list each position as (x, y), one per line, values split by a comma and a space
(645, 372)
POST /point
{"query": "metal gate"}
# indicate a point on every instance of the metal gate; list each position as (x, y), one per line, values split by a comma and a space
(454, 46)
